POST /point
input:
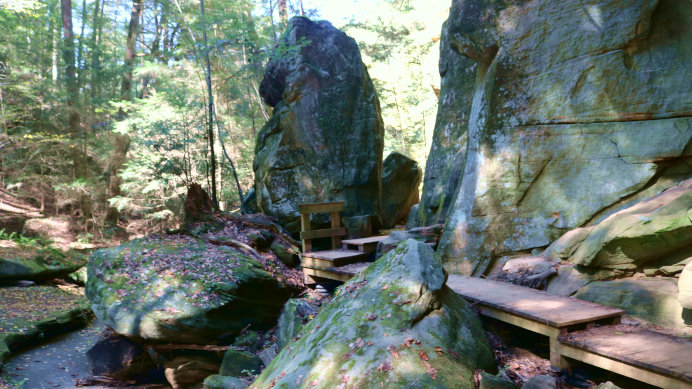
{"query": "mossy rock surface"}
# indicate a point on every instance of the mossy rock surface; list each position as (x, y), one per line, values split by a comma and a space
(36, 263)
(180, 289)
(30, 314)
(220, 382)
(394, 324)
(238, 363)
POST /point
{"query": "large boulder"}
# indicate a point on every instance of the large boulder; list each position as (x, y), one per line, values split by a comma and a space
(641, 234)
(400, 180)
(652, 300)
(394, 324)
(179, 289)
(446, 161)
(558, 119)
(325, 138)
(31, 262)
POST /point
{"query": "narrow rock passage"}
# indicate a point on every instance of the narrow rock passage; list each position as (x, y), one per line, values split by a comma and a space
(56, 363)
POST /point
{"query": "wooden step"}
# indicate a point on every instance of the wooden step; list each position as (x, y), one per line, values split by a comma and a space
(550, 309)
(341, 273)
(366, 245)
(331, 258)
(657, 359)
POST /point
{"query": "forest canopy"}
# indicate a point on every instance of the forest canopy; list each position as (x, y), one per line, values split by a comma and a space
(105, 104)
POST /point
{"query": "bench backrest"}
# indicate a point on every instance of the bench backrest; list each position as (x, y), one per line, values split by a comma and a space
(335, 232)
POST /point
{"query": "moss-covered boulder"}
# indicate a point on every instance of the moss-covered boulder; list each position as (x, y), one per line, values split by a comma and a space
(179, 289)
(641, 234)
(325, 138)
(394, 324)
(36, 263)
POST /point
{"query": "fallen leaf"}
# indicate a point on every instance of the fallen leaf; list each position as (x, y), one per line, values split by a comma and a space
(385, 287)
(423, 355)
(439, 350)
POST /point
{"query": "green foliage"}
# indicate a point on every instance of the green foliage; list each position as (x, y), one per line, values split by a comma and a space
(23, 240)
(166, 119)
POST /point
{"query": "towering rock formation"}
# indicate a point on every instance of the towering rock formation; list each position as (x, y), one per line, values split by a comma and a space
(325, 138)
(579, 109)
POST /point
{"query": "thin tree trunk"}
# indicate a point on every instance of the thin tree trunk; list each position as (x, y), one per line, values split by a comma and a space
(56, 33)
(78, 158)
(302, 11)
(95, 50)
(121, 142)
(130, 46)
(211, 109)
(283, 14)
(80, 56)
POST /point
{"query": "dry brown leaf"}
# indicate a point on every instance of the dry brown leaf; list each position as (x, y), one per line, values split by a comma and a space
(439, 350)
(423, 355)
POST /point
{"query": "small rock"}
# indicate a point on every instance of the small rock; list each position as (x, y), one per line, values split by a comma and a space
(246, 339)
(188, 371)
(221, 382)
(239, 363)
(489, 381)
(540, 382)
(607, 385)
(267, 355)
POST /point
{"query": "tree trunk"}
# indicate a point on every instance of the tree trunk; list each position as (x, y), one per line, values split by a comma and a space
(121, 142)
(302, 11)
(78, 156)
(80, 56)
(95, 50)
(132, 31)
(283, 14)
(210, 133)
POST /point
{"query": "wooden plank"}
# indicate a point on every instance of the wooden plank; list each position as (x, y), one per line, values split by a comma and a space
(336, 223)
(363, 241)
(641, 374)
(328, 259)
(336, 206)
(305, 226)
(646, 349)
(323, 233)
(331, 255)
(552, 310)
(519, 321)
(327, 274)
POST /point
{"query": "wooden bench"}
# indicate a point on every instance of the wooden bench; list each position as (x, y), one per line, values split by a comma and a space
(325, 264)
(656, 359)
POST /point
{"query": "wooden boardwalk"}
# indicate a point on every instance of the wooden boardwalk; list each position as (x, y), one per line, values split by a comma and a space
(570, 324)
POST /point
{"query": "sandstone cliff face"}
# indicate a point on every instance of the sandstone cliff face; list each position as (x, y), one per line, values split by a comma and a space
(448, 149)
(579, 109)
(325, 138)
